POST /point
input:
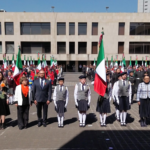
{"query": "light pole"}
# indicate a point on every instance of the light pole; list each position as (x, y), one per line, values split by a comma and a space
(107, 8)
(53, 8)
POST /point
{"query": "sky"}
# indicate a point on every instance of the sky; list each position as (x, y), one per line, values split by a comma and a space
(69, 5)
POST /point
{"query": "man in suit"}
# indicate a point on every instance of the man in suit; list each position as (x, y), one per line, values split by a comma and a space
(42, 90)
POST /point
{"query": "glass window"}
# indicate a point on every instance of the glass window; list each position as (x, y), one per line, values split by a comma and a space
(139, 28)
(35, 47)
(71, 28)
(9, 28)
(94, 47)
(121, 28)
(71, 47)
(82, 28)
(35, 28)
(61, 28)
(9, 47)
(94, 28)
(120, 47)
(82, 47)
(61, 47)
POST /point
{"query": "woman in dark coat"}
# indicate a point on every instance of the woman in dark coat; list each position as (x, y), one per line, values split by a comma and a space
(4, 96)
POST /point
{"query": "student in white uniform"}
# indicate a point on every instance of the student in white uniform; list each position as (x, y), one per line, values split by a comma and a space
(123, 96)
(60, 98)
(114, 98)
(82, 97)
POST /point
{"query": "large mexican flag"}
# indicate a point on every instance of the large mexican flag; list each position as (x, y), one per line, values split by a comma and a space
(39, 67)
(100, 76)
(18, 66)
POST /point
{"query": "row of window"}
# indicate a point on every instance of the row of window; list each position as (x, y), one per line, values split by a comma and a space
(45, 47)
(45, 28)
(135, 47)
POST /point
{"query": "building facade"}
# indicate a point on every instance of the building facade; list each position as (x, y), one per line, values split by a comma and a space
(72, 38)
(144, 6)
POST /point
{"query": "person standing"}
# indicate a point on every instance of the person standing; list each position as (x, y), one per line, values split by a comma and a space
(132, 80)
(4, 101)
(42, 90)
(82, 97)
(60, 98)
(23, 100)
(103, 103)
(123, 97)
(143, 98)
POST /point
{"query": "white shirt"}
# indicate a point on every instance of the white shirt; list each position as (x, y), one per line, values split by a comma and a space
(67, 95)
(76, 90)
(43, 81)
(115, 92)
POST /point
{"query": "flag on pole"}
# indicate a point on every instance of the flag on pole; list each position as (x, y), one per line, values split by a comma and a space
(52, 61)
(130, 62)
(5, 62)
(116, 62)
(33, 61)
(136, 61)
(8, 61)
(111, 64)
(18, 66)
(122, 67)
(39, 63)
(28, 62)
(146, 62)
(124, 61)
(13, 63)
(24, 60)
(94, 64)
(100, 76)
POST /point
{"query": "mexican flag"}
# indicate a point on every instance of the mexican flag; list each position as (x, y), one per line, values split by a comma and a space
(52, 62)
(111, 64)
(8, 61)
(39, 63)
(5, 62)
(33, 61)
(94, 63)
(24, 60)
(124, 61)
(146, 62)
(136, 62)
(13, 63)
(18, 66)
(100, 76)
(130, 62)
(116, 62)
(28, 62)
(55, 62)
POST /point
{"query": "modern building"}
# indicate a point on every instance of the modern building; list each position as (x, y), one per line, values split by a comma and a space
(72, 38)
(144, 6)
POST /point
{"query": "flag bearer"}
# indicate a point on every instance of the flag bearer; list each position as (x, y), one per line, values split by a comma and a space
(82, 97)
(103, 103)
(60, 98)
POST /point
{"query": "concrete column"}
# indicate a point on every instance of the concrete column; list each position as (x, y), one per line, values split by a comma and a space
(76, 66)
(76, 47)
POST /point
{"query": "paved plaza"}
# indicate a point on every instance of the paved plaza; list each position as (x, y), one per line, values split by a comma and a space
(73, 137)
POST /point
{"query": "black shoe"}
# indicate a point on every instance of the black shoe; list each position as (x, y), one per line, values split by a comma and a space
(62, 126)
(39, 124)
(121, 124)
(142, 125)
(83, 125)
(0, 125)
(3, 126)
(44, 124)
(101, 125)
(80, 125)
(104, 125)
(124, 124)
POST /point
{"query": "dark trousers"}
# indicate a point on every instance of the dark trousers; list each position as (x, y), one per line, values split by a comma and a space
(132, 98)
(39, 111)
(23, 115)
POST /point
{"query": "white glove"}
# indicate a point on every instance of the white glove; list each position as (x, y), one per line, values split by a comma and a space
(117, 101)
(56, 106)
(110, 99)
(65, 106)
(88, 104)
(76, 104)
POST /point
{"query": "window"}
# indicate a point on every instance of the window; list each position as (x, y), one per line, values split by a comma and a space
(139, 48)
(82, 47)
(94, 28)
(61, 28)
(71, 28)
(82, 28)
(0, 28)
(71, 47)
(120, 47)
(61, 47)
(9, 28)
(0, 47)
(9, 47)
(35, 47)
(94, 47)
(139, 28)
(121, 28)
(35, 28)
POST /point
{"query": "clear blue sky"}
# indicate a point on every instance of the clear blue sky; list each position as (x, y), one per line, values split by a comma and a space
(69, 5)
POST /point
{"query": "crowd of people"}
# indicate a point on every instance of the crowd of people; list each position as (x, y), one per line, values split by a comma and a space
(35, 86)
